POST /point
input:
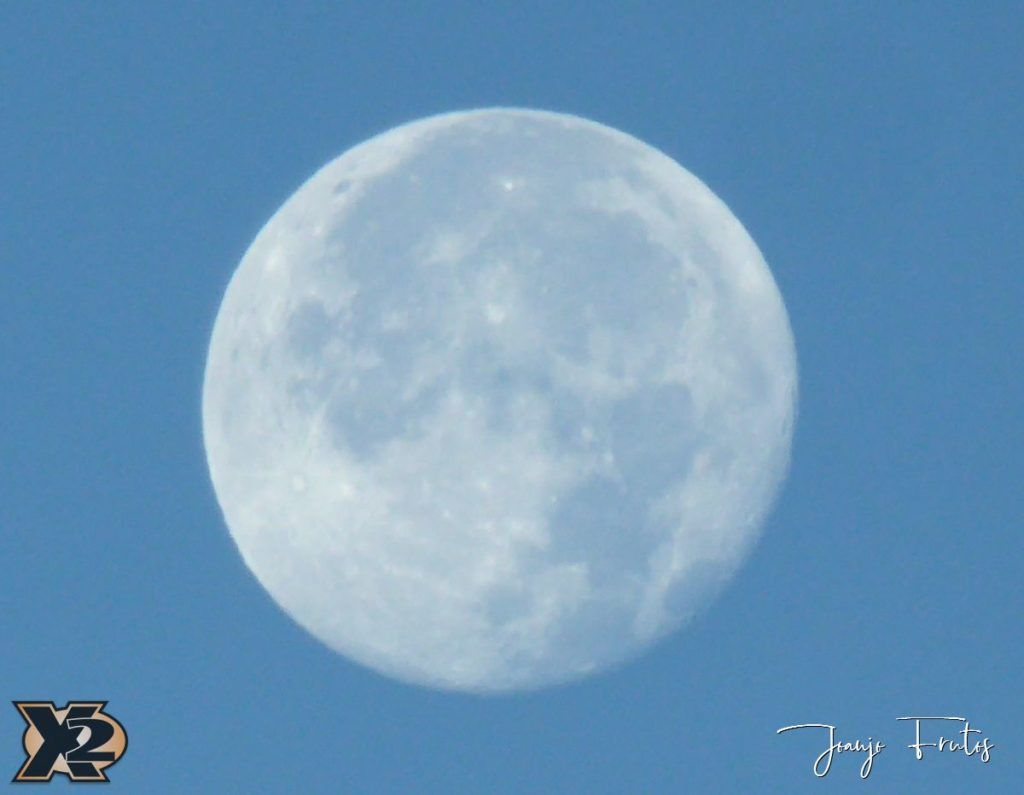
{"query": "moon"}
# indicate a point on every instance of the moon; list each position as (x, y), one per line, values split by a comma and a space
(497, 399)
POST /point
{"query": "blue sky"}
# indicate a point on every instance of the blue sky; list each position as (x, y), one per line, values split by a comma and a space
(875, 157)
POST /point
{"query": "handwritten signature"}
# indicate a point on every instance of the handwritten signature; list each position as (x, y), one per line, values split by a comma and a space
(961, 742)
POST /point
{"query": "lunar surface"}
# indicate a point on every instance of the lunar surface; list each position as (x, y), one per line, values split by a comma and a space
(497, 399)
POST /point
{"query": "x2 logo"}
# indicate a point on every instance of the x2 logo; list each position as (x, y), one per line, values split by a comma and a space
(80, 741)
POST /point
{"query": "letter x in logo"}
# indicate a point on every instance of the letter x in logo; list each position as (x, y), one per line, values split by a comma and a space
(79, 741)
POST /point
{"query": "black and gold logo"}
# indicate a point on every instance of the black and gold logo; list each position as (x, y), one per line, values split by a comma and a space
(81, 741)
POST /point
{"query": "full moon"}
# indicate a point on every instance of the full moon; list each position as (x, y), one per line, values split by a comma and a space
(497, 399)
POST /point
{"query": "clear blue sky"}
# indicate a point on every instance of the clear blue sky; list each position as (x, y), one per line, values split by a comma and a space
(875, 156)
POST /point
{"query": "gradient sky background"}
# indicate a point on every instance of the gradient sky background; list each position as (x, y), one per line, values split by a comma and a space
(876, 158)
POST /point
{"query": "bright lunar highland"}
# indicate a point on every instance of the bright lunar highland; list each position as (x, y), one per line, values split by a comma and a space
(498, 398)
